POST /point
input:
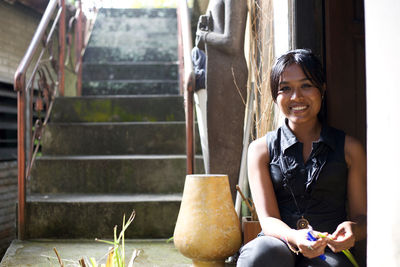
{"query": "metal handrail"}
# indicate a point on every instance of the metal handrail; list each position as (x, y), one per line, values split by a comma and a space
(44, 71)
(187, 78)
(76, 23)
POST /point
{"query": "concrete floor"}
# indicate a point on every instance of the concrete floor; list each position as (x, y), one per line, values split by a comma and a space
(40, 253)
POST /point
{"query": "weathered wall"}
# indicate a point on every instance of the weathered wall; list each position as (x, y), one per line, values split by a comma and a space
(8, 198)
(17, 26)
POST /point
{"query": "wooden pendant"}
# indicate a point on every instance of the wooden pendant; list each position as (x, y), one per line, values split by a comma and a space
(302, 223)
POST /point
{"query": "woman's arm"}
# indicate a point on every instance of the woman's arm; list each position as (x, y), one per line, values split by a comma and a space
(347, 233)
(266, 203)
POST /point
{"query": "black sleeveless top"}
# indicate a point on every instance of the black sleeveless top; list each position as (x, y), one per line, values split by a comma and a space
(319, 185)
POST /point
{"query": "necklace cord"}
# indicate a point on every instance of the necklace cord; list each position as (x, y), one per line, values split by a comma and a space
(321, 150)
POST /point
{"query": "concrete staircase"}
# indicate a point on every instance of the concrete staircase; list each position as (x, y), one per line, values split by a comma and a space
(120, 146)
(132, 52)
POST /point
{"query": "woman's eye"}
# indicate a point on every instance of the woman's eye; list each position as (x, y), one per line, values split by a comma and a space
(284, 89)
(306, 85)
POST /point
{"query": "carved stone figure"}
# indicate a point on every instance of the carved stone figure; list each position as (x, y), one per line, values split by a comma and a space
(221, 32)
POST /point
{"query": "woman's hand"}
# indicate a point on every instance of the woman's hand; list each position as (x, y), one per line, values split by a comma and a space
(343, 238)
(310, 249)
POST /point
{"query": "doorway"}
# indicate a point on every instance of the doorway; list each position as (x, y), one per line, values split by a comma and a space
(334, 30)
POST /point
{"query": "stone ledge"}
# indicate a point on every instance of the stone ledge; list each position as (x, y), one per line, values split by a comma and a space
(155, 252)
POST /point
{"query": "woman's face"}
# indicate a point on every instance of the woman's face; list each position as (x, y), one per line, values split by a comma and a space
(298, 99)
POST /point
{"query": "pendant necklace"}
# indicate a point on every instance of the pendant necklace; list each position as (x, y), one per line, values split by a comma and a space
(302, 223)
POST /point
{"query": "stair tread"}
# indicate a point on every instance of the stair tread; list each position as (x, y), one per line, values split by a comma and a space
(123, 123)
(130, 63)
(103, 198)
(136, 81)
(111, 157)
(119, 96)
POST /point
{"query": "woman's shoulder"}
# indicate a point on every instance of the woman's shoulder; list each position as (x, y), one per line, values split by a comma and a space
(335, 132)
(353, 149)
(350, 142)
(263, 146)
(258, 144)
(258, 148)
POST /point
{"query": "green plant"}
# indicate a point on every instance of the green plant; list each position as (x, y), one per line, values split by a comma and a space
(116, 254)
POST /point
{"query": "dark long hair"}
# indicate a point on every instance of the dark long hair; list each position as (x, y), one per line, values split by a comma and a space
(311, 67)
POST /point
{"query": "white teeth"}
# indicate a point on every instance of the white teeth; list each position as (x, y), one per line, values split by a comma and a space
(299, 108)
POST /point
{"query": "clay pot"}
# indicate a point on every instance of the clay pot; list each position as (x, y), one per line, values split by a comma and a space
(207, 229)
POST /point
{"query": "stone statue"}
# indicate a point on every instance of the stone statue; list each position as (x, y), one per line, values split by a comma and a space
(221, 33)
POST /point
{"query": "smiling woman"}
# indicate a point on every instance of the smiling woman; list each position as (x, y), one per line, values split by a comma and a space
(311, 70)
(303, 174)
(298, 98)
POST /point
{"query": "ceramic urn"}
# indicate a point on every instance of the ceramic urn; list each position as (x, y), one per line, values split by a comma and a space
(207, 229)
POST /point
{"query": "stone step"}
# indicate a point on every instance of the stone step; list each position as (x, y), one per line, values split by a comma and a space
(127, 13)
(94, 216)
(130, 71)
(39, 252)
(117, 138)
(131, 87)
(110, 174)
(118, 108)
(136, 23)
(151, 52)
(130, 35)
(132, 30)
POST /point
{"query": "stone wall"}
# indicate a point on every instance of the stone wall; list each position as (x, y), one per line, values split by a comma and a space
(17, 26)
(8, 199)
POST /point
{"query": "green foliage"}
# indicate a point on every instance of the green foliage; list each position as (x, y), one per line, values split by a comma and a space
(116, 254)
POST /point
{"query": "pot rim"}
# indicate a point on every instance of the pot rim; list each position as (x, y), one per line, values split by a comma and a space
(206, 175)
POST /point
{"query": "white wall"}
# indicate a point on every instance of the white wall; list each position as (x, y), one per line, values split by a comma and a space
(281, 26)
(382, 24)
(282, 39)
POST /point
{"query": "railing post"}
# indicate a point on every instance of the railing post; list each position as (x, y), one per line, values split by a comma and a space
(61, 45)
(79, 48)
(187, 79)
(181, 67)
(189, 110)
(21, 156)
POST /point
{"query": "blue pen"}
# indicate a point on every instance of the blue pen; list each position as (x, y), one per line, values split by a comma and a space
(312, 238)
